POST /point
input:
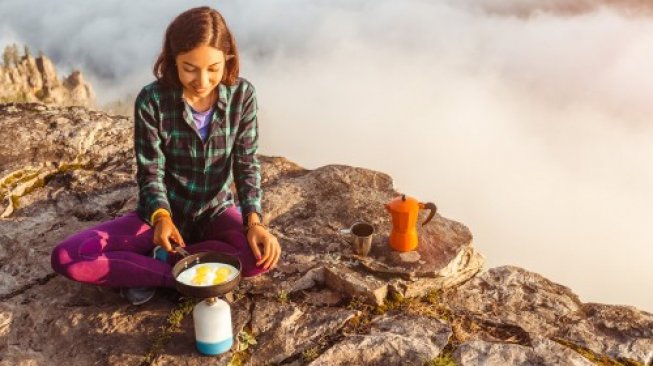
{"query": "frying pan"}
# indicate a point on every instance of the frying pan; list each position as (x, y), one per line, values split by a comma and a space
(211, 290)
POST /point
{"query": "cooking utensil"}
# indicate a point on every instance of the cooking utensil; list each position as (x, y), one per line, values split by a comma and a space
(179, 249)
(211, 290)
(404, 211)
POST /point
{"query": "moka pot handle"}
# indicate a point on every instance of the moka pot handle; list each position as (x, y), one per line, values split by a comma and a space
(430, 206)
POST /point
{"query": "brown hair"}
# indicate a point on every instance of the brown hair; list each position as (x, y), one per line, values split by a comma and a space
(190, 29)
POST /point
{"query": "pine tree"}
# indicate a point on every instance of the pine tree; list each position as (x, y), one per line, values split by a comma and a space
(10, 55)
(6, 56)
(14, 54)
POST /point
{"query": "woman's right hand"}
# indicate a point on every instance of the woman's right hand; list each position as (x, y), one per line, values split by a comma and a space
(165, 231)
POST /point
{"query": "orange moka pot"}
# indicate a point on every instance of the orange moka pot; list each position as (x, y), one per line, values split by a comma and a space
(404, 212)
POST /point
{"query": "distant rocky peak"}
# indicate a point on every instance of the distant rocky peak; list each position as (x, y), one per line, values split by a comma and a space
(29, 79)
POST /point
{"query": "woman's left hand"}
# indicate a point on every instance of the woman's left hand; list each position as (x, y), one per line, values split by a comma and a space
(259, 238)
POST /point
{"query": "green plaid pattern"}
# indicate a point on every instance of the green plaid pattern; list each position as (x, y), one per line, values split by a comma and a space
(177, 171)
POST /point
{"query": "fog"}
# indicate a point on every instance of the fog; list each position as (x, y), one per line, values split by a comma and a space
(528, 121)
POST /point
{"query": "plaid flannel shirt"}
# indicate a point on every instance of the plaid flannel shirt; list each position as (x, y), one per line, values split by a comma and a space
(179, 172)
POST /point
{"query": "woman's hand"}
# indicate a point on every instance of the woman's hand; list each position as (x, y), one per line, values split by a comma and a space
(258, 237)
(164, 231)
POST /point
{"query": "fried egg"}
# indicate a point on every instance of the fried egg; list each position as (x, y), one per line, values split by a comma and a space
(207, 274)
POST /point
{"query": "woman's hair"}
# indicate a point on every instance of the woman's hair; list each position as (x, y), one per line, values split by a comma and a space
(190, 29)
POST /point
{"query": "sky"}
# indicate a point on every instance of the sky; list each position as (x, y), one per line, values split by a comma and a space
(526, 120)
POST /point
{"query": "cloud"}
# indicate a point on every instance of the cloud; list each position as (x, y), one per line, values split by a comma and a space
(526, 120)
(529, 8)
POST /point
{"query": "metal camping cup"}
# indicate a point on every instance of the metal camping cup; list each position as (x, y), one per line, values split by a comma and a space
(362, 234)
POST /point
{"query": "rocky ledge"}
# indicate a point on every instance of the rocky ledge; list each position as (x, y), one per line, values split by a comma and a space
(66, 168)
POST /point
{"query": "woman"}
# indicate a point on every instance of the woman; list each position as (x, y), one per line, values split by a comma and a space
(195, 134)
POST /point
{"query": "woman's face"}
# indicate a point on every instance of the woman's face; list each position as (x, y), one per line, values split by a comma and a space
(200, 70)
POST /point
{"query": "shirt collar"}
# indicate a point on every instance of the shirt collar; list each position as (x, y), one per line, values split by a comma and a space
(221, 103)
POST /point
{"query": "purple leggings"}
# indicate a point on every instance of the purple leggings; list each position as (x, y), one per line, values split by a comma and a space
(117, 253)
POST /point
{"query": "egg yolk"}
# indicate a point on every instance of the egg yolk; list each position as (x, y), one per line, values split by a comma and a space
(222, 271)
(198, 279)
(203, 270)
(219, 278)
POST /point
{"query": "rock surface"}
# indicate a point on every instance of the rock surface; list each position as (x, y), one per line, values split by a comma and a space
(286, 330)
(543, 352)
(67, 168)
(514, 304)
(393, 340)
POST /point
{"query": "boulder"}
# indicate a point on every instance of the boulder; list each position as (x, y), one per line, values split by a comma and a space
(64, 169)
(511, 303)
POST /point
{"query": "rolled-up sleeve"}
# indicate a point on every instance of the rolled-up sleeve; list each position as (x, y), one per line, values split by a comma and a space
(247, 169)
(150, 159)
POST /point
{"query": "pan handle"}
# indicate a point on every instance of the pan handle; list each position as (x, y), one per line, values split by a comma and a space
(179, 249)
